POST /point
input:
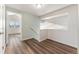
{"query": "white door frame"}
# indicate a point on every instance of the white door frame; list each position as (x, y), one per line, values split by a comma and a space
(20, 22)
(3, 28)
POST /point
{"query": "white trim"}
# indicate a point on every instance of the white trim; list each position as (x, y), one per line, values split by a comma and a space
(21, 25)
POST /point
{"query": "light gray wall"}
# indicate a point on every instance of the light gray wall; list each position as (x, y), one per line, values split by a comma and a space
(30, 26)
(70, 35)
(43, 34)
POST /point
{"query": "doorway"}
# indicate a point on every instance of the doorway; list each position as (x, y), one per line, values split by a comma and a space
(14, 26)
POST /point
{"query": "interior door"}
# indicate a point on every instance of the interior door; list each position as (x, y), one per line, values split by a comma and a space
(2, 29)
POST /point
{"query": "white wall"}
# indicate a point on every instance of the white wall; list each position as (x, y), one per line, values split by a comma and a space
(43, 34)
(30, 26)
(70, 35)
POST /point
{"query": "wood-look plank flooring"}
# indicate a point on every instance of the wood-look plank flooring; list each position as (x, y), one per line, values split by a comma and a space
(32, 46)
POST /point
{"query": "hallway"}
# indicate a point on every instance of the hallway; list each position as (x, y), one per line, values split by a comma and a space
(32, 46)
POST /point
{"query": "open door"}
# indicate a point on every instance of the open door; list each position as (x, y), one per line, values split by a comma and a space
(2, 29)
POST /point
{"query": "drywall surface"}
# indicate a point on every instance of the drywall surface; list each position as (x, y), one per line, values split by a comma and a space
(69, 34)
(43, 34)
(30, 26)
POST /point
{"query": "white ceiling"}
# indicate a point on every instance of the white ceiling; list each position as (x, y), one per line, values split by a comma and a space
(46, 8)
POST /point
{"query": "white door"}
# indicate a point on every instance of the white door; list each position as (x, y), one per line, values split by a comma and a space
(2, 29)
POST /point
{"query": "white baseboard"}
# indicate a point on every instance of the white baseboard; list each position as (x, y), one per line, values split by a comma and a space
(42, 40)
(26, 38)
